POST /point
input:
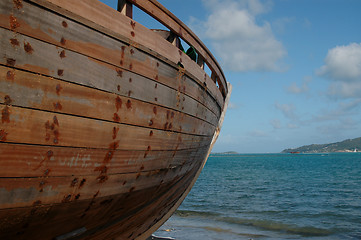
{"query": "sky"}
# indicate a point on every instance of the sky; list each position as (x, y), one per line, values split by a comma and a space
(295, 68)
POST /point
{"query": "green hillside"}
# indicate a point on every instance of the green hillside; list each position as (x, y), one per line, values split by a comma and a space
(348, 145)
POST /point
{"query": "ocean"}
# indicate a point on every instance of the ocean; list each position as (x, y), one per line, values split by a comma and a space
(272, 196)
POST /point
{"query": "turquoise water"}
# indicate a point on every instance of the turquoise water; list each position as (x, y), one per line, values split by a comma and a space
(272, 196)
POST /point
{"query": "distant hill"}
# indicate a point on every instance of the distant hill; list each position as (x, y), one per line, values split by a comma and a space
(225, 153)
(348, 145)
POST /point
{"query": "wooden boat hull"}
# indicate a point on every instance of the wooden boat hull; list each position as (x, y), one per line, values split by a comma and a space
(102, 133)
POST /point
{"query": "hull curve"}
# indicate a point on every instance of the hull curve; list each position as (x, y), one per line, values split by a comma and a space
(103, 133)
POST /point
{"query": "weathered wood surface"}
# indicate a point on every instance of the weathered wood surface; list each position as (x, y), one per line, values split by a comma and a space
(107, 20)
(44, 59)
(29, 126)
(17, 160)
(81, 39)
(169, 20)
(110, 131)
(24, 89)
(127, 214)
(198, 172)
(22, 192)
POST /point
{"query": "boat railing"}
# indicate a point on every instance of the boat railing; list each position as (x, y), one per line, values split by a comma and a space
(180, 30)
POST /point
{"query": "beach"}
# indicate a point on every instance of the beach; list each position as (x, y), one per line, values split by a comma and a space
(272, 196)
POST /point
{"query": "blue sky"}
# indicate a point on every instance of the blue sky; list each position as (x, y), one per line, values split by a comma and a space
(295, 67)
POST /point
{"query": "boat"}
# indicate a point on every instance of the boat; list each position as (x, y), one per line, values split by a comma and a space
(105, 124)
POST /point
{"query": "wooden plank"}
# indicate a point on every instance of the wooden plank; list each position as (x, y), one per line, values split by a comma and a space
(126, 215)
(18, 160)
(107, 20)
(196, 175)
(44, 59)
(22, 192)
(28, 126)
(76, 37)
(164, 16)
(29, 90)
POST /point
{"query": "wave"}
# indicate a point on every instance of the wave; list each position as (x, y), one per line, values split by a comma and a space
(268, 225)
(222, 230)
(306, 231)
(189, 213)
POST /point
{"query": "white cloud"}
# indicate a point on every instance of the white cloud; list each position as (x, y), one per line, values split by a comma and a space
(292, 126)
(343, 67)
(341, 89)
(294, 88)
(344, 109)
(232, 105)
(288, 110)
(280, 25)
(241, 43)
(343, 63)
(257, 133)
(276, 123)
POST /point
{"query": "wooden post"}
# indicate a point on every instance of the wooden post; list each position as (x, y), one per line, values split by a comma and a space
(125, 8)
(200, 61)
(214, 77)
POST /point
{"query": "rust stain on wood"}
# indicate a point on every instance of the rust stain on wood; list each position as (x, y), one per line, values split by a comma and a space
(14, 42)
(132, 24)
(10, 75)
(115, 132)
(65, 24)
(14, 24)
(49, 154)
(58, 88)
(116, 117)
(10, 62)
(60, 72)
(147, 152)
(103, 169)
(62, 54)
(18, 3)
(7, 100)
(63, 41)
(118, 103)
(66, 199)
(28, 48)
(37, 203)
(119, 73)
(58, 106)
(3, 135)
(52, 129)
(74, 182)
(5, 115)
(82, 182)
(129, 104)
